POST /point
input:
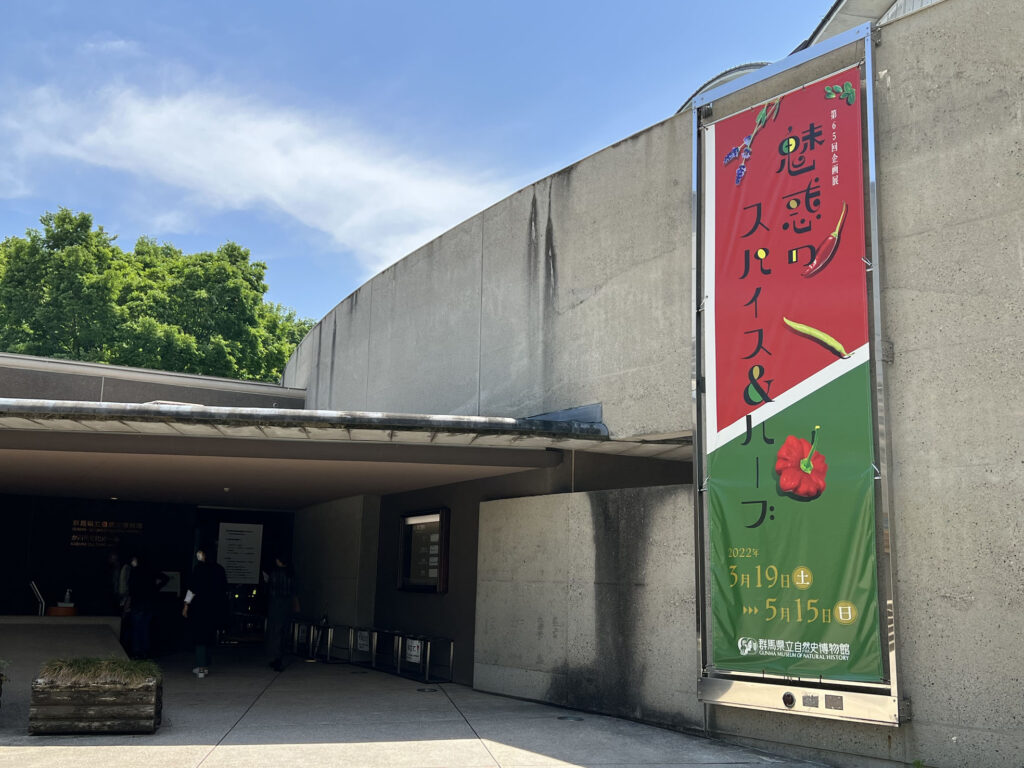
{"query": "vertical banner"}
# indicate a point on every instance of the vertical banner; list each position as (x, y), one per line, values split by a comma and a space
(789, 430)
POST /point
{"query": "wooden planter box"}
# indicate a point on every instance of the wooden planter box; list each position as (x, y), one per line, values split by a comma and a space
(95, 708)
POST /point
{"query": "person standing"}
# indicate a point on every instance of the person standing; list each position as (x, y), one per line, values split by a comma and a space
(206, 608)
(123, 574)
(282, 604)
(125, 603)
(144, 583)
(113, 597)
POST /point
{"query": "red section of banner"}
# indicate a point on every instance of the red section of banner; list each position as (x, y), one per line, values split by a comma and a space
(789, 234)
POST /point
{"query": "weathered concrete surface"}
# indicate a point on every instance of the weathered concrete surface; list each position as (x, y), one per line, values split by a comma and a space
(953, 302)
(43, 378)
(452, 614)
(574, 290)
(950, 186)
(337, 570)
(349, 341)
(425, 328)
(303, 362)
(582, 599)
(577, 305)
(585, 296)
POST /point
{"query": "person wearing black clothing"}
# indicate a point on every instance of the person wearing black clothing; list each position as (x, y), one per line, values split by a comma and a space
(144, 583)
(282, 603)
(206, 609)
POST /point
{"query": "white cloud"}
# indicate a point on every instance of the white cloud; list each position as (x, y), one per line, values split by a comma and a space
(12, 182)
(170, 221)
(231, 153)
(120, 47)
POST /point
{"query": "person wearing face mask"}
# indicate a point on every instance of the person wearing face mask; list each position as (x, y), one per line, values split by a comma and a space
(205, 609)
(144, 583)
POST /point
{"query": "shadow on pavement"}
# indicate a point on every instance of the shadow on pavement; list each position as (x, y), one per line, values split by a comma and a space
(311, 714)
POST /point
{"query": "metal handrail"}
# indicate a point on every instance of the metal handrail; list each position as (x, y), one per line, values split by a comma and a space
(39, 597)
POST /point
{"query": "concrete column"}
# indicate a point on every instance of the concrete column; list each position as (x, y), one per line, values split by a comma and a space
(336, 559)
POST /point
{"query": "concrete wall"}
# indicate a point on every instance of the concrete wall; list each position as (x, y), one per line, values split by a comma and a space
(346, 551)
(581, 284)
(572, 291)
(950, 186)
(39, 378)
(452, 614)
(335, 548)
(950, 191)
(952, 201)
(587, 600)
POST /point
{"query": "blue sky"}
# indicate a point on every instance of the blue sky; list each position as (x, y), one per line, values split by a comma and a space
(333, 138)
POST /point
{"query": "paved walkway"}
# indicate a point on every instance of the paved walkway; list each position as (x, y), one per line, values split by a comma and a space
(245, 715)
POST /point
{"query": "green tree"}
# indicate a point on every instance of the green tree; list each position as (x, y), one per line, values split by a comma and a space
(70, 292)
(217, 298)
(282, 330)
(58, 290)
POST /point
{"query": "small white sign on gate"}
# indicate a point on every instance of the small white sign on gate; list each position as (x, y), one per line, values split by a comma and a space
(413, 650)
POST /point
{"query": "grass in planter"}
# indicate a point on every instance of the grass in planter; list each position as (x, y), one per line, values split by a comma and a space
(91, 671)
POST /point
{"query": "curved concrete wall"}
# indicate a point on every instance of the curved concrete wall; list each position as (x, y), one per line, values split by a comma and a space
(575, 290)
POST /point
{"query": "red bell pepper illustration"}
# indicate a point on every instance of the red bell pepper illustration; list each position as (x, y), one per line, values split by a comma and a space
(823, 255)
(801, 470)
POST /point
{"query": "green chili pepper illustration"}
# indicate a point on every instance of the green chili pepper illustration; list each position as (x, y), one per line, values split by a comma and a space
(817, 335)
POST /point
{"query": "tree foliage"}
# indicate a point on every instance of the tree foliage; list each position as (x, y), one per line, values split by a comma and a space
(68, 291)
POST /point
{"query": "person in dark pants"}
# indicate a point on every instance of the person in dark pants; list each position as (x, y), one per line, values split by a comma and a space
(144, 583)
(124, 605)
(282, 604)
(206, 609)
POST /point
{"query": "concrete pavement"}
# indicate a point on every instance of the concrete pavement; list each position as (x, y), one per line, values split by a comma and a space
(313, 714)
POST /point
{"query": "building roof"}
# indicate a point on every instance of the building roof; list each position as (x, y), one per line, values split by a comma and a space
(275, 458)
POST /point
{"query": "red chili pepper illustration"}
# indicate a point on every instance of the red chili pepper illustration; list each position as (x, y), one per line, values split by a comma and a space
(801, 470)
(823, 255)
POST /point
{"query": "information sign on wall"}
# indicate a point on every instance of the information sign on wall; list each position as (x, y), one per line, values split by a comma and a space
(238, 551)
(423, 546)
(105, 534)
(788, 425)
(413, 651)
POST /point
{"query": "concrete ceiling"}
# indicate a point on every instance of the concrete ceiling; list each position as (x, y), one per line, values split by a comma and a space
(271, 458)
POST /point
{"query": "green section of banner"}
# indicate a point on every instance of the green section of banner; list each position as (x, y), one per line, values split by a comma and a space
(793, 574)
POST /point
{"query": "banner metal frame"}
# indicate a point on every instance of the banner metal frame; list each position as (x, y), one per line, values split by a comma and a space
(875, 703)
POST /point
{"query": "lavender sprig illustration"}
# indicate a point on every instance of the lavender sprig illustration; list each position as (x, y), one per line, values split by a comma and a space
(768, 110)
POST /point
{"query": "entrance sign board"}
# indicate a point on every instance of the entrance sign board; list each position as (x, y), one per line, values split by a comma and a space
(423, 551)
(786, 412)
(238, 551)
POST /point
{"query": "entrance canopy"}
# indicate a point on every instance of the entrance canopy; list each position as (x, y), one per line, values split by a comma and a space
(271, 458)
